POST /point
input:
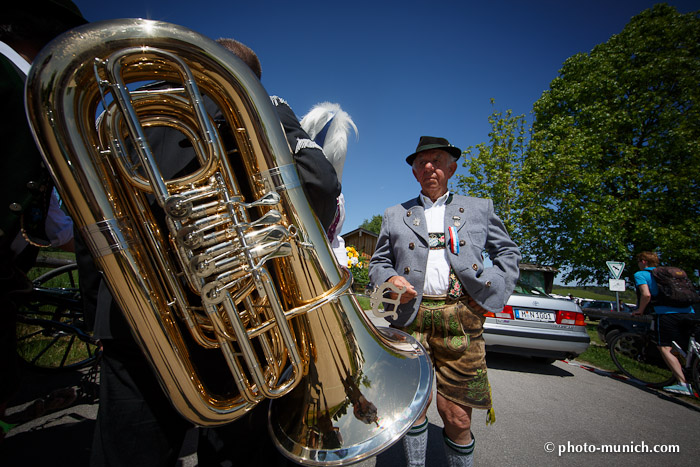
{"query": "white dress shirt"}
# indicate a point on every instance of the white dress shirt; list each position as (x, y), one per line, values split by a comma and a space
(437, 272)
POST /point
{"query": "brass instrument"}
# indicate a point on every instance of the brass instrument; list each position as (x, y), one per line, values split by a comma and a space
(224, 256)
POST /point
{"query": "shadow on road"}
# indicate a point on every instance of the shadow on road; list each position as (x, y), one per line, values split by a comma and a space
(49, 430)
(523, 365)
(65, 443)
(687, 402)
(39, 383)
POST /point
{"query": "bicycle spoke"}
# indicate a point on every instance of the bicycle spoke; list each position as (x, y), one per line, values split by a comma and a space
(68, 346)
(43, 351)
(30, 335)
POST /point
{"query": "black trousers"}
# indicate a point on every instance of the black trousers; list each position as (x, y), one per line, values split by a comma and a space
(137, 426)
(245, 442)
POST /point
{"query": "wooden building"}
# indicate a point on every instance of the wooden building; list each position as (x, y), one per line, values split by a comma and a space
(363, 240)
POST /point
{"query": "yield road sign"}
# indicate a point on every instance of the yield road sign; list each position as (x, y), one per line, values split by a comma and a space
(616, 268)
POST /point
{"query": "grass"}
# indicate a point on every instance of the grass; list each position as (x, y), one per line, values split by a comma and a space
(647, 372)
(597, 354)
(364, 302)
(599, 357)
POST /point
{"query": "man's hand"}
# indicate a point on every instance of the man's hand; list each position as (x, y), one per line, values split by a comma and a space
(401, 282)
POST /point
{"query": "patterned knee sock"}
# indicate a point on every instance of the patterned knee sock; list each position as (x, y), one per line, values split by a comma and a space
(457, 454)
(415, 444)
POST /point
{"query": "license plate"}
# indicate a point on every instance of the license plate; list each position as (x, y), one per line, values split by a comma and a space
(529, 315)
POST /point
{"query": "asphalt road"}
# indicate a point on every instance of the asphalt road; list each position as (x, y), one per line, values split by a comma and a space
(569, 410)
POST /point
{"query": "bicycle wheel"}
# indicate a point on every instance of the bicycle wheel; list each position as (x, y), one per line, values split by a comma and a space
(50, 325)
(696, 374)
(61, 277)
(638, 358)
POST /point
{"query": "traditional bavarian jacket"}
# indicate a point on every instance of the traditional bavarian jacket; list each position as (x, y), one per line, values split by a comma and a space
(403, 247)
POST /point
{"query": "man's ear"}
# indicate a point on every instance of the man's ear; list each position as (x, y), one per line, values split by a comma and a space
(452, 168)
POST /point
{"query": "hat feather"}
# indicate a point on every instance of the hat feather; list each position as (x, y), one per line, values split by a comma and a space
(329, 125)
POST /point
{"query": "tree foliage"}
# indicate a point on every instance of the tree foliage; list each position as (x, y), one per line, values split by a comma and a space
(373, 225)
(495, 169)
(615, 151)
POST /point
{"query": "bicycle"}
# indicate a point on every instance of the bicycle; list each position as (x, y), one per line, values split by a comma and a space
(637, 356)
(51, 326)
(51, 336)
(691, 356)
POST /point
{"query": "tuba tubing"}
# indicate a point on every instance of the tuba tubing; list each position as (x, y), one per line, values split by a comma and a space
(226, 257)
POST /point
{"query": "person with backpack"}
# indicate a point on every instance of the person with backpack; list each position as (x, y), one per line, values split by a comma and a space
(668, 294)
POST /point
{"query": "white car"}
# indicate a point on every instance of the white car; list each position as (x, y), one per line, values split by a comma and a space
(536, 325)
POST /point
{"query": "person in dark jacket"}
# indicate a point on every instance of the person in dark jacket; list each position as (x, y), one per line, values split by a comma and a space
(136, 425)
(26, 194)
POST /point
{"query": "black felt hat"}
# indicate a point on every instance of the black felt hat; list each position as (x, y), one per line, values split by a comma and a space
(45, 17)
(431, 142)
(69, 12)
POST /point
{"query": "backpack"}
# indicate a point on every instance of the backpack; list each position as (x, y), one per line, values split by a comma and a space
(675, 289)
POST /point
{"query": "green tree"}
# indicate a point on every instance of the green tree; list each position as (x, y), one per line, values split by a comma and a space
(373, 225)
(615, 151)
(495, 169)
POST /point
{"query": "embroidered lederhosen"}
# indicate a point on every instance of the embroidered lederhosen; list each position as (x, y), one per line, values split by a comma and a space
(452, 334)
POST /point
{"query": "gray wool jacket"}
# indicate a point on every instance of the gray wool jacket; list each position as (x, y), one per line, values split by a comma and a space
(402, 249)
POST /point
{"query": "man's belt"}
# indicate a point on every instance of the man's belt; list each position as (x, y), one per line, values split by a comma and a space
(432, 301)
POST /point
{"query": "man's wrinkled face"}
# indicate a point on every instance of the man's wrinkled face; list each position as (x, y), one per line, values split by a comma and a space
(432, 169)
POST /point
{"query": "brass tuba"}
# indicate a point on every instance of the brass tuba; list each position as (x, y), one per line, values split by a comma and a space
(224, 255)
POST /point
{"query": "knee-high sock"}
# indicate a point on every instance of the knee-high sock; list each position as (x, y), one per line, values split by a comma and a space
(415, 444)
(457, 454)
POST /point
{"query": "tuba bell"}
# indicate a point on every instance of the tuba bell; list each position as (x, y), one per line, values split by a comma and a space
(222, 256)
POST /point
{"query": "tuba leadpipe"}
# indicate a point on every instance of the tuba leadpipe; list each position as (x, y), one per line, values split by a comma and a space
(223, 256)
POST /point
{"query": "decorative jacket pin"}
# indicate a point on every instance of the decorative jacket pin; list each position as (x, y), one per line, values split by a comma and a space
(454, 240)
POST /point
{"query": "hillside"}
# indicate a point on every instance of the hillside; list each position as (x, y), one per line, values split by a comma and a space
(594, 293)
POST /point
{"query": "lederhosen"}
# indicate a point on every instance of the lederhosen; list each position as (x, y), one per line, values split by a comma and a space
(452, 334)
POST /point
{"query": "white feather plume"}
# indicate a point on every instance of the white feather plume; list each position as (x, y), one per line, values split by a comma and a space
(335, 144)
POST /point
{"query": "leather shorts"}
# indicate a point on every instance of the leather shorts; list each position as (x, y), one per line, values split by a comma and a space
(452, 335)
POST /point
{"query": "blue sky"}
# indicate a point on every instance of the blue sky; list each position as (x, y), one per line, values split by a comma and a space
(400, 69)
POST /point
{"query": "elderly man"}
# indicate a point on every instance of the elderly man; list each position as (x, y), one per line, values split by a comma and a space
(431, 246)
